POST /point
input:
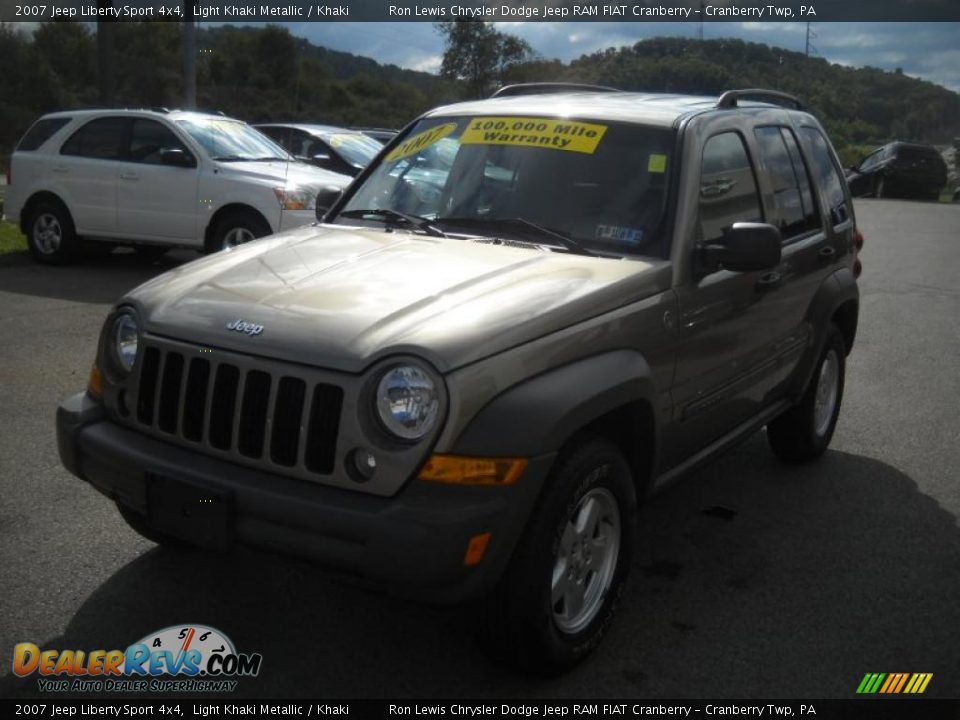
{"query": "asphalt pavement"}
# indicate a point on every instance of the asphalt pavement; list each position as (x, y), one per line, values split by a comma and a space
(751, 578)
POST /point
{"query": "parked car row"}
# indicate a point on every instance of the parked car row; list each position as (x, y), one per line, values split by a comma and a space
(155, 179)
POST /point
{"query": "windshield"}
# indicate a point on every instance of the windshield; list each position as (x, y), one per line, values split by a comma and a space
(355, 148)
(232, 140)
(602, 185)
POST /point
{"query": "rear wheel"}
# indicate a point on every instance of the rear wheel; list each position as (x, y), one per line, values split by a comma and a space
(51, 237)
(236, 228)
(804, 432)
(559, 594)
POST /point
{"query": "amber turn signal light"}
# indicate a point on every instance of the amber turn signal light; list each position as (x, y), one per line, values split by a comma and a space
(95, 382)
(475, 549)
(459, 470)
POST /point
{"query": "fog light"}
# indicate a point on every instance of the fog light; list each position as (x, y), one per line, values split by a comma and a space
(361, 464)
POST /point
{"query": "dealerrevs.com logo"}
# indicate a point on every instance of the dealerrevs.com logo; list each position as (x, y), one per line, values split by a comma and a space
(179, 658)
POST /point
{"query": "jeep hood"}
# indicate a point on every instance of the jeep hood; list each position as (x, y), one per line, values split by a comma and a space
(341, 298)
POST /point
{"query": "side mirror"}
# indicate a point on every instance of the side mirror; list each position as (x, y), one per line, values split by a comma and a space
(745, 247)
(326, 199)
(177, 158)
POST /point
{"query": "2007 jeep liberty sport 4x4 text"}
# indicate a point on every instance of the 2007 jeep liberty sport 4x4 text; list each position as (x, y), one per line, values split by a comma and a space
(526, 315)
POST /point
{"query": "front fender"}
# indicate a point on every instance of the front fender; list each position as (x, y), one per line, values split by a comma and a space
(539, 415)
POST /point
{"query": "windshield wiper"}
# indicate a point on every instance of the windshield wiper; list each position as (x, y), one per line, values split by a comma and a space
(523, 225)
(418, 222)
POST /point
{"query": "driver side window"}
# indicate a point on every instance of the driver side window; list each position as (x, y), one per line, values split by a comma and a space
(728, 188)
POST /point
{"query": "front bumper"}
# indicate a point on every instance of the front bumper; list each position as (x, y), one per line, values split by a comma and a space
(290, 219)
(412, 544)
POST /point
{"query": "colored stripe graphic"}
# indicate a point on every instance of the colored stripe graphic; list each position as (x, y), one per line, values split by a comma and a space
(894, 683)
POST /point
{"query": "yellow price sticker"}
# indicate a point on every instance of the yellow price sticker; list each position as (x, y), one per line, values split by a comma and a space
(552, 133)
(657, 163)
(413, 145)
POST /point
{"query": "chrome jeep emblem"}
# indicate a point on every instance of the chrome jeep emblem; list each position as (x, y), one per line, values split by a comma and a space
(242, 326)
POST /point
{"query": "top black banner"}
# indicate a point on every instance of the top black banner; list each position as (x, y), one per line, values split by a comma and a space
(492, 11)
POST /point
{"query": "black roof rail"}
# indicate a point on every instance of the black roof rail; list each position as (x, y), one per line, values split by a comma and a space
(730, 97)
(545, 88)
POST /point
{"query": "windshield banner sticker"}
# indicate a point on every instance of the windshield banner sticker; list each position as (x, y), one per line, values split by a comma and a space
(554, 133)
(418, 142)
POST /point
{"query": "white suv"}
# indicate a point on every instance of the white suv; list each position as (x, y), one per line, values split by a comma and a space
(155, 179)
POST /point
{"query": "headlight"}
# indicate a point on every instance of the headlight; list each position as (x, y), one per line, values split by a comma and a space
(125, 339)
(295, 198)
(408, 401)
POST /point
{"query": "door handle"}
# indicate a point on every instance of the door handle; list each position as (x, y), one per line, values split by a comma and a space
(769, 281)
(58, 168)
(129, 176)
(826, 254)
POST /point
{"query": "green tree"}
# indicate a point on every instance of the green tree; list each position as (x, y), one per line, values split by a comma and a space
(479, 55)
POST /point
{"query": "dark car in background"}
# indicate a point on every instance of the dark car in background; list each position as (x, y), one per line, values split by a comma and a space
(331, 148)
(899, 169)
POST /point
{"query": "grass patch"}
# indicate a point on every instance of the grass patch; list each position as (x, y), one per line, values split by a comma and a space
(11, 239)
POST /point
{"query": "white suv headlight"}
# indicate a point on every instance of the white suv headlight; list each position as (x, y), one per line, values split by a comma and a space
(125, 341)
(408, 401)
(294, 198)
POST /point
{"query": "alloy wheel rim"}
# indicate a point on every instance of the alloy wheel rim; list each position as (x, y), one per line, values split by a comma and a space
(47, 233)
(586, 561)
(237, 236)
(825, 400)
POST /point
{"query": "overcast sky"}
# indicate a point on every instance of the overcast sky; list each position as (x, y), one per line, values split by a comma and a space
(926, 50)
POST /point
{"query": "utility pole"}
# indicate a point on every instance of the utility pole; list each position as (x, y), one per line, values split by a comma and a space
(700, 29)
(189, 57)
(811, 35)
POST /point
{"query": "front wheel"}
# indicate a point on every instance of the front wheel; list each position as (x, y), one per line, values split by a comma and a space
(51, 238)
(236, 228)
(804, 432)
(560, 592)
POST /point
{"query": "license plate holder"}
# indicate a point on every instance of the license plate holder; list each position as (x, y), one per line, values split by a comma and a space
(190, 511)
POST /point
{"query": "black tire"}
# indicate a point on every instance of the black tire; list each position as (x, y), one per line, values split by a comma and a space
(803, 433)
(140, 525)
(51, 237)
(235, 228)
(524, 625)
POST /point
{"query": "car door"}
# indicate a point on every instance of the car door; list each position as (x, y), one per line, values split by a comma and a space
(85, 173)
(861, 182)
(156, 201)
(727, 320)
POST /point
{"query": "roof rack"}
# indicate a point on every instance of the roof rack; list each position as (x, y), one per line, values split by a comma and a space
(545, 88)
(730, 97)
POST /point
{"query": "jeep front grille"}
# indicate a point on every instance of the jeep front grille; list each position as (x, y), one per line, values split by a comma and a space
(233, 405)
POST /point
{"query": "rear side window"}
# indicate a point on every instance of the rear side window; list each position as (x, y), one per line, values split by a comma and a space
(796, 213)
(41, 131)
(827, 175)
(728, 189)
(100, 138)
